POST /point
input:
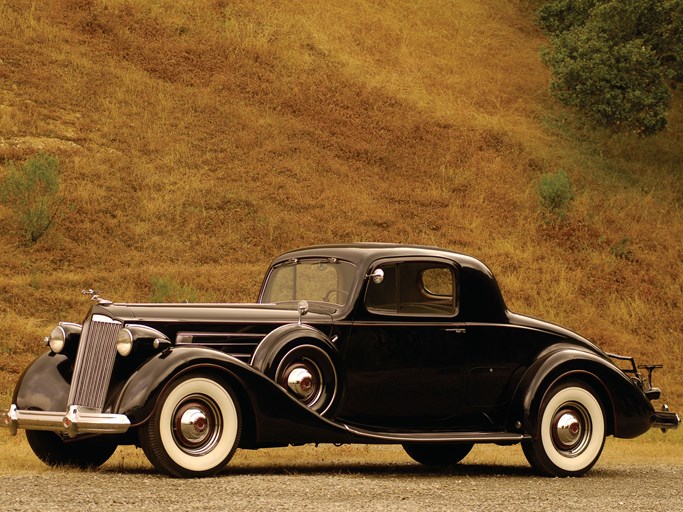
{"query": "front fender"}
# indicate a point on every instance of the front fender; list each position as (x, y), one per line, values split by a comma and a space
(628, 411)
(44, 384)
(135, 398)
(274, 417)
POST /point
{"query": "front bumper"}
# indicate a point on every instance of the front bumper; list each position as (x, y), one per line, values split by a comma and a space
(75, 421)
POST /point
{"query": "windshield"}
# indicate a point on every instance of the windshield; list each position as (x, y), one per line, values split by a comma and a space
(313, 279)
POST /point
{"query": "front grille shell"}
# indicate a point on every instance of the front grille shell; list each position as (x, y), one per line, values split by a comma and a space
(94, 363)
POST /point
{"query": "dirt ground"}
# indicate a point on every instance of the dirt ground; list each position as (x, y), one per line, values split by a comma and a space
(353, 487)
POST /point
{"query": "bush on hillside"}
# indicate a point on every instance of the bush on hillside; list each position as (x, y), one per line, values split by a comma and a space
(165, 289)
(616, 60)
(555, 195)
(31, 191)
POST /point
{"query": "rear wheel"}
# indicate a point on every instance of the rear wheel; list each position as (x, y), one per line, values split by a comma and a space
(571, 432)
(438, 454)
(54, 450)
(195, 429)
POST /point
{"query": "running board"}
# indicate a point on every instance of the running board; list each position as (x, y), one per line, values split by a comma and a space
(440, 437)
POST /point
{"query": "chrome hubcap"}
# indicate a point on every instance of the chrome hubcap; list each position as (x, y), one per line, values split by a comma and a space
(196, 426)
(303, 379)
(570, 431)
(300, 381)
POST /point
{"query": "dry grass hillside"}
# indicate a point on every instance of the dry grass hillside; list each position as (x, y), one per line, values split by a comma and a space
(197, 139)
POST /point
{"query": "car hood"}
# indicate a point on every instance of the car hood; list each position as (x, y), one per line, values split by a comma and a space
(284, 312)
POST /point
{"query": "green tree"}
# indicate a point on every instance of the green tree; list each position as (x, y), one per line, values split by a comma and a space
(31, 190)
(616, 60)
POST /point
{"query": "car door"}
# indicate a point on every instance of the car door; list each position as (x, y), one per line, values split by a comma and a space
(403, 358)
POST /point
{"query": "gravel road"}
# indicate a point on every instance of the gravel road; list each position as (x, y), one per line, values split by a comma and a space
(394, 487)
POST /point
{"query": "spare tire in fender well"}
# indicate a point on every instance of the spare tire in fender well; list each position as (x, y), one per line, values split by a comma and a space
(272, 345)
(303, 361)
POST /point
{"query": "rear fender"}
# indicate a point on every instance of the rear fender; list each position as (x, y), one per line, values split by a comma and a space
(628, 412)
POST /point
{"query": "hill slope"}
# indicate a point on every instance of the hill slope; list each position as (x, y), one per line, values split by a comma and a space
(198, 139)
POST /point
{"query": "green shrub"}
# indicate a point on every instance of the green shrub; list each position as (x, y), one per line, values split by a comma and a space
(165, 289)
(31, 190)
(622, 250)
(555, 195)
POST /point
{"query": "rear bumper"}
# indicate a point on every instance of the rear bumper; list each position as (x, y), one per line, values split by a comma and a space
(665, 420)
(73, 422)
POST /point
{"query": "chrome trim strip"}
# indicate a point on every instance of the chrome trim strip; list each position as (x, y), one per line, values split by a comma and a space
(442, 437)
(181, 337)
(75, 421)
(384, 323)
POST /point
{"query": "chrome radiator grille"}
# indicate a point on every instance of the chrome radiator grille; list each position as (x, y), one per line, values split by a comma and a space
(94, 362)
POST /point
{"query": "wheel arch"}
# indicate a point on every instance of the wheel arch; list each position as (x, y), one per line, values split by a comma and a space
(139, 396)
(627, 414)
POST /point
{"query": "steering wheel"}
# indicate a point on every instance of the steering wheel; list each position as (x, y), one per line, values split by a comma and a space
(338, 291)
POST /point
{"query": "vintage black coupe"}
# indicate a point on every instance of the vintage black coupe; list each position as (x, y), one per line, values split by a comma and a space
(364, 343)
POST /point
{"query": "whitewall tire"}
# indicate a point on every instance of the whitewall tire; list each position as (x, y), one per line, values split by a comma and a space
(571, 431)
(195, 429)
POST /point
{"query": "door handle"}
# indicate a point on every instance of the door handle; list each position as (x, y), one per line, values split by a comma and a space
(457, 330)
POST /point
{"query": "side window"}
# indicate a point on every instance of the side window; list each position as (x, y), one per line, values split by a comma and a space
(414, 288)
(383, 297)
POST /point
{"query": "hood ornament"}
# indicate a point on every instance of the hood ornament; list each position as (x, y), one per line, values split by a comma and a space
(94, 296)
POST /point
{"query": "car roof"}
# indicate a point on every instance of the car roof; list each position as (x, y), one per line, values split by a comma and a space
(483, 297)
(365, 253)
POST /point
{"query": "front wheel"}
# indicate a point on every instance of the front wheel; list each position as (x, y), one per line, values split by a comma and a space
(195, 429)
(571, 432)
(438, 454)
(55, 450)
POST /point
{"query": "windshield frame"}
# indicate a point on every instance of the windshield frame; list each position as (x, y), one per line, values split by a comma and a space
(345, 281)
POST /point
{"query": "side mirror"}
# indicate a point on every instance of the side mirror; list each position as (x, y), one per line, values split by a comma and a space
(377, 276)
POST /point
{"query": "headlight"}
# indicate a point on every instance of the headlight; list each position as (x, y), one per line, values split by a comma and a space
(139, 334)
(124, 342)
(57, 339)
(64, 337)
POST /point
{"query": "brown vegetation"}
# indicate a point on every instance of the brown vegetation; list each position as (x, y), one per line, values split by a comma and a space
(197, 139)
